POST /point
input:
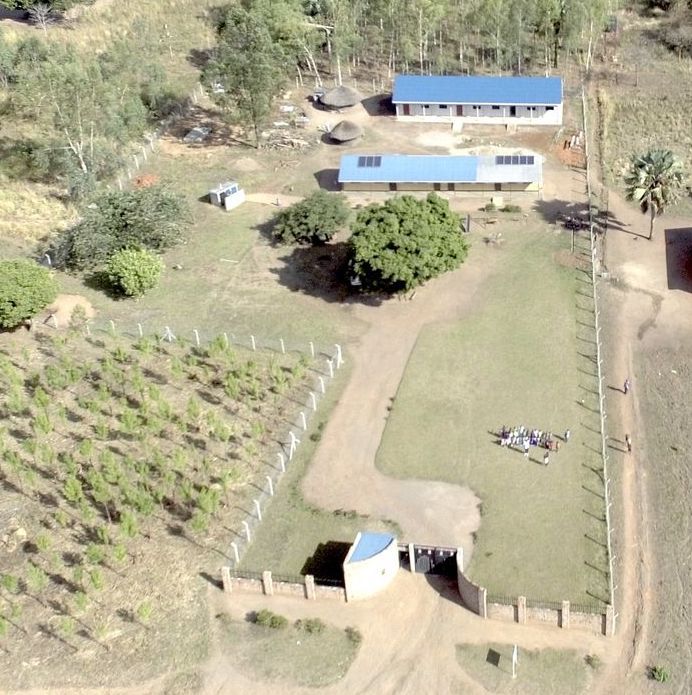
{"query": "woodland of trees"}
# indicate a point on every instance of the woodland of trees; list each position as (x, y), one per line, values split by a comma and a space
(81, 109)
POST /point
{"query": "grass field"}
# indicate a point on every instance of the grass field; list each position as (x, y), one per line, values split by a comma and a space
(289, 656)
(523, 357)
(292, 530)
(548, 672)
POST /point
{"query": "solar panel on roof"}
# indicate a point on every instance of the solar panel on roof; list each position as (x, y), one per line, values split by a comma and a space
(378, 161)
(530, 160)
(522, 159)
(515, 159)
(361, 161)
(370, 161)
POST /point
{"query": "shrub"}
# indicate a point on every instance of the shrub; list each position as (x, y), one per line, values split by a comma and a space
(313, 626)
(133, 272)
(353, 635)
(490, 207)
(268, 619)
(593, 660)
(659, 674)
(314, 220)
(25, 289)
(510, 207)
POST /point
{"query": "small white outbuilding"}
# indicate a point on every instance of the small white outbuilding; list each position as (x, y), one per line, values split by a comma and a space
(227, 195)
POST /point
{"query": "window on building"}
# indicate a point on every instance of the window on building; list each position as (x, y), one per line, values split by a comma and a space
(496, 108)
(550, 108)
(443, 106)
(426, 106)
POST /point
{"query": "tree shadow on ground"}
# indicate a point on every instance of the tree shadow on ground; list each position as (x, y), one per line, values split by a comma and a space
(199, 58)
(327, 561)
(556, 211)
(322, 272)
(679, 258)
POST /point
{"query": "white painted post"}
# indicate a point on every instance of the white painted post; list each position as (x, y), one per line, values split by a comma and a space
(139, 329)
(313, 400)
(225, 339)
(88, 328)
(283, 346)
(330, 364)
(136, 162)
(246, 526)
(112, 323)
(129, 174)
(120, 184)
(271, 485)
(196, 332)
(515, 661)
(55, 320)
(312, 348)
(303, 420)
(282, 462)
(144, 153)
(47, 257)
(252, 340)
(339, 356)
(168, 335)
(321, 383)
(258, 510)
(236, 555)
(293, 445)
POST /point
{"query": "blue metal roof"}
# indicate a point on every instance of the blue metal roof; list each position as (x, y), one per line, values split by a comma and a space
(369, 545)
(409, 168)
(461, 89)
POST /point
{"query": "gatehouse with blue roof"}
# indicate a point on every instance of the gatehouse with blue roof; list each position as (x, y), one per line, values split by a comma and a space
(474, 99)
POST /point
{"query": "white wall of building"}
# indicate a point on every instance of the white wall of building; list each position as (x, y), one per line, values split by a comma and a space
(486, 113)
(367, 577)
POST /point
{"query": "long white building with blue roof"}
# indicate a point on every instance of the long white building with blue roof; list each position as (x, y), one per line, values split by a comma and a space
(417, 172)
(460, 99)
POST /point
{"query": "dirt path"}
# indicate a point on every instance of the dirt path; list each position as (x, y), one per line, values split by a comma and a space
(343, 473)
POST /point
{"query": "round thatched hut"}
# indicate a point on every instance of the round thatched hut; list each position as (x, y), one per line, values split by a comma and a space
(344, 131)
(340, 97)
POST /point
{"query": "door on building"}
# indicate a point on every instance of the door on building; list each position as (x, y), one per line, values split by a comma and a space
(460, 110)
(407, 110)
(392, 186)
(512, 111)
(437, 186)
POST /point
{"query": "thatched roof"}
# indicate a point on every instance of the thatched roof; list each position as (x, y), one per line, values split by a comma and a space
(340, 97)
(345, 130)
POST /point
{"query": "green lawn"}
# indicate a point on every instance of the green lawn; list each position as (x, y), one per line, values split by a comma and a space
(514, 360)
(548, 672)
(231, 279)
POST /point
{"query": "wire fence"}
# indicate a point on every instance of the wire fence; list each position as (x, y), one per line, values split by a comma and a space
(599, 353)
(323, 367)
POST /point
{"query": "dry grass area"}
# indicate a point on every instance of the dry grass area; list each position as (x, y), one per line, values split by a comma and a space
(125, 470)
(646, 91)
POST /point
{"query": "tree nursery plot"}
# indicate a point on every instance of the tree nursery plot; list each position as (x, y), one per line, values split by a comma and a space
(126, 468)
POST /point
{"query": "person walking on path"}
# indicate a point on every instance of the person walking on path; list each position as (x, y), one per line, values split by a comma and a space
(568, 434)
(546, 458)
(626, 387)
(527, 447)
(628, 442)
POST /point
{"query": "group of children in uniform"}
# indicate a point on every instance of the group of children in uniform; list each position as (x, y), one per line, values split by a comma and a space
(524, 438)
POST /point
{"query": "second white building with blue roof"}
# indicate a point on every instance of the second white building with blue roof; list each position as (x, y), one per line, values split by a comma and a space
(460, 99)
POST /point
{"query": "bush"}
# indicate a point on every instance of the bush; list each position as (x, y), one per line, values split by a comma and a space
(148, 218)
(353, 635)
(511, 208)
(268, 619)
(133, 272)
(314, 220)
(593, 660)
(490, 207)
(313, 626)
(25, 289)
(659, 674)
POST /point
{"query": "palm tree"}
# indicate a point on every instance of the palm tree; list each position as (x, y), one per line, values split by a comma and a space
(654, 180)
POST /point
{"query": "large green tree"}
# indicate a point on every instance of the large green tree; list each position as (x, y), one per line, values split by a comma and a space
(143, 218)
(25, 289)
(404, 242)
(314, 220)
(133, 272)
(654, 180)
(249, 65)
